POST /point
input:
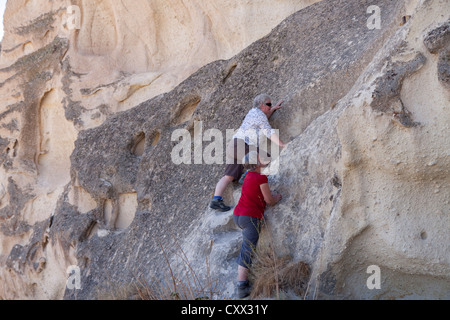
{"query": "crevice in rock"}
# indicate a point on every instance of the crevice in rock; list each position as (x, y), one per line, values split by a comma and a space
(119, 212)
(185, 109)
(138, 145)
(229, 71)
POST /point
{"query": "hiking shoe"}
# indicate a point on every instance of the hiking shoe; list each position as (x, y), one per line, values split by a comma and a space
(243, 290)
(217, 204)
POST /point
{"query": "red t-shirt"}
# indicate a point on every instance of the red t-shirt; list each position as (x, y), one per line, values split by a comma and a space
(252, 201)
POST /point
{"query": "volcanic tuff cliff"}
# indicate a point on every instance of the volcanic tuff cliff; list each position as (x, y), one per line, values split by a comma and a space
(86, 122)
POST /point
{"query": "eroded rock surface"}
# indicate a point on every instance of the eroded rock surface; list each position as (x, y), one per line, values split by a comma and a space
(87, 176)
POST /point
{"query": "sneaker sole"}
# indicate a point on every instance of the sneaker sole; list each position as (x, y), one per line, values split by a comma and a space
(220, 209)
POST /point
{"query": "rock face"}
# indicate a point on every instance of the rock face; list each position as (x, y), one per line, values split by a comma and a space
(87, 175)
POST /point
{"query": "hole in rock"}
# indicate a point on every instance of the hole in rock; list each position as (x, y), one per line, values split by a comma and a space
(156, 137)
(56, 141)
(120, 213)
(229, 72)
(138, 145)
(15, 148)
(185, 109)
(127, 210)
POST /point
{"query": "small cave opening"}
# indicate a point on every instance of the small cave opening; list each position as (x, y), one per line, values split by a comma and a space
(138, 145)
(185, 109)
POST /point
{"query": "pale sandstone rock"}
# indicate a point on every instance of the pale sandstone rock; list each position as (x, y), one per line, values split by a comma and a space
(388, 207)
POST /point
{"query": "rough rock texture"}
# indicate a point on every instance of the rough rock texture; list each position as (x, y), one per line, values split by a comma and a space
(87, 177)
(438, 42)
(57, 80)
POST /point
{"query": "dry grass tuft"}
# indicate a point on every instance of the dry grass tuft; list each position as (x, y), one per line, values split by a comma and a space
(271, 274)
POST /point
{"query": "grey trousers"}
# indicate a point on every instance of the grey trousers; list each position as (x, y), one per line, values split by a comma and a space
(251, 228)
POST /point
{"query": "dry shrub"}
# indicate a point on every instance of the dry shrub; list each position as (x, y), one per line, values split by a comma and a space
(271, 274)
(295, 276)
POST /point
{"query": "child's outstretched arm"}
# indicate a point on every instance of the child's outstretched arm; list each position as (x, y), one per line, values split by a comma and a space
(269, 198)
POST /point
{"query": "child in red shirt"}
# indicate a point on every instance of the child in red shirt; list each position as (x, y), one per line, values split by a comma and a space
(251, 202)
(249, 214)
